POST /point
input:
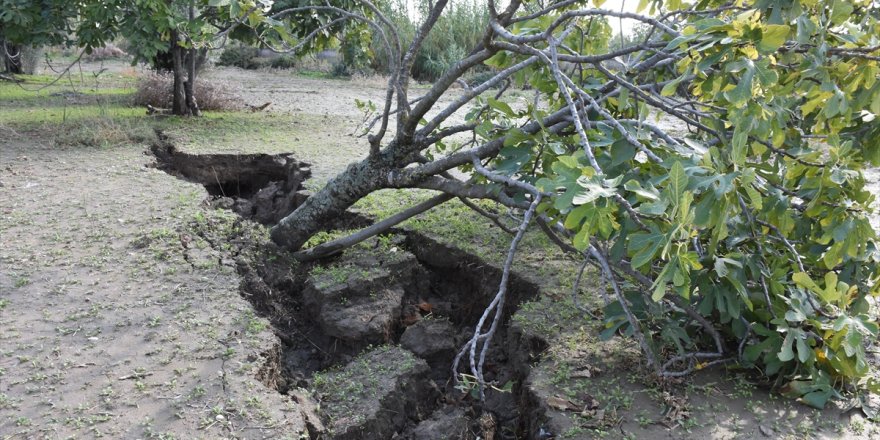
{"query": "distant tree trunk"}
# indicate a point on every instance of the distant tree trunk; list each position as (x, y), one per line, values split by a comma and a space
(191, 61)
(185, 63)
(12, 59)
(163, 61)
(178, 94)
(184, 71)
(190, 85)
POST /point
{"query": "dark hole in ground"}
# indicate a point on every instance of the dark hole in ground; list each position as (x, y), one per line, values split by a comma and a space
(260, 187)
(403, 289)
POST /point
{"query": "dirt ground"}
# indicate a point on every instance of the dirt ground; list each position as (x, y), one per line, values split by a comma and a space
(115, 323)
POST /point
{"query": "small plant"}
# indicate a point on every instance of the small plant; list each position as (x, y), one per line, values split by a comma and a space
(468, 384)
(255, 325)
(197, 392)
(643, 420)
(7, 402)
(561, 374)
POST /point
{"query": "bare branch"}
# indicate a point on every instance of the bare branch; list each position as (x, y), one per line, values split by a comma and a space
(493, 217)
(336, 246)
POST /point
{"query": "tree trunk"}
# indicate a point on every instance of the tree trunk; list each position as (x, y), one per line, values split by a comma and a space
(192, 107)
(12, 59)
(357, 181)
(178, 94)
(190, 85)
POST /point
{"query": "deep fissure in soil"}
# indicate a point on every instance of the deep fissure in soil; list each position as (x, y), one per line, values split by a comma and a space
(336, 318)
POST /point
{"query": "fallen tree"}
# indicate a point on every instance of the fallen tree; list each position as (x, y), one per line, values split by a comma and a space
(741, 237)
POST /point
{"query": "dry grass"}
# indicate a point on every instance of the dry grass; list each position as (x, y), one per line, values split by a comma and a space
(110, 51)
(101, 132)
(372, 80)
(155, 89)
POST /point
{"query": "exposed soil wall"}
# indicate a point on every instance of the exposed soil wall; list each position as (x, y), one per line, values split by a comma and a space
(374, 328)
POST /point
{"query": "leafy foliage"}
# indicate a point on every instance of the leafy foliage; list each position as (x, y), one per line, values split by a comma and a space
(459, 29)
(757, 217)
(240, 56)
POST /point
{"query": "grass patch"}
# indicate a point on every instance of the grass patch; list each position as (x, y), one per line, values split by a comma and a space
(318, 74)
(350, 390)
(37, 117)
(12, 95)
(35, 87)
(458, 225)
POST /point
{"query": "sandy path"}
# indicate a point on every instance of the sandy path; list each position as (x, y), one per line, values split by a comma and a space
(107, 326)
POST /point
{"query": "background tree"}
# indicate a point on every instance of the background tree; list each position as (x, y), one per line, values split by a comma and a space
(26, 25)
(178, 31)
(742, 237)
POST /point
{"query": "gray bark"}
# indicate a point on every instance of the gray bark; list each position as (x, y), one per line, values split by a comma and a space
(192, 55)
(178, 100)
(357, 181)
(12, 57)
(184, 71)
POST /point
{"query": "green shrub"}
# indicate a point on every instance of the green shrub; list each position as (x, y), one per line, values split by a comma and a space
(283, 62)
(245, 57)
(478, 78)
(340, 70)
(458, 30)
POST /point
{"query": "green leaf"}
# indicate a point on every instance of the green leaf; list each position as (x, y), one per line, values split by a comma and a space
(581, 240)
(514, 137)
(622, 151)
(636, 187)
(657, 207)
(740, 94)
(646, 246)
(803, 350)
(590, 190)
(841, 11)
(804, 280)
(574, 218)
(678, 181)
(500, 60)
(721, 266)
(670, 87)
(816, 399)
(831, 294)
(738, 146)
(795, 316)
(659, 287)
(501, 106)
(786, 353)
(772, 37)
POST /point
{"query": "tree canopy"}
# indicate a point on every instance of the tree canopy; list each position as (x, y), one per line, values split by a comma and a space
(738, 234)
(182, 28)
